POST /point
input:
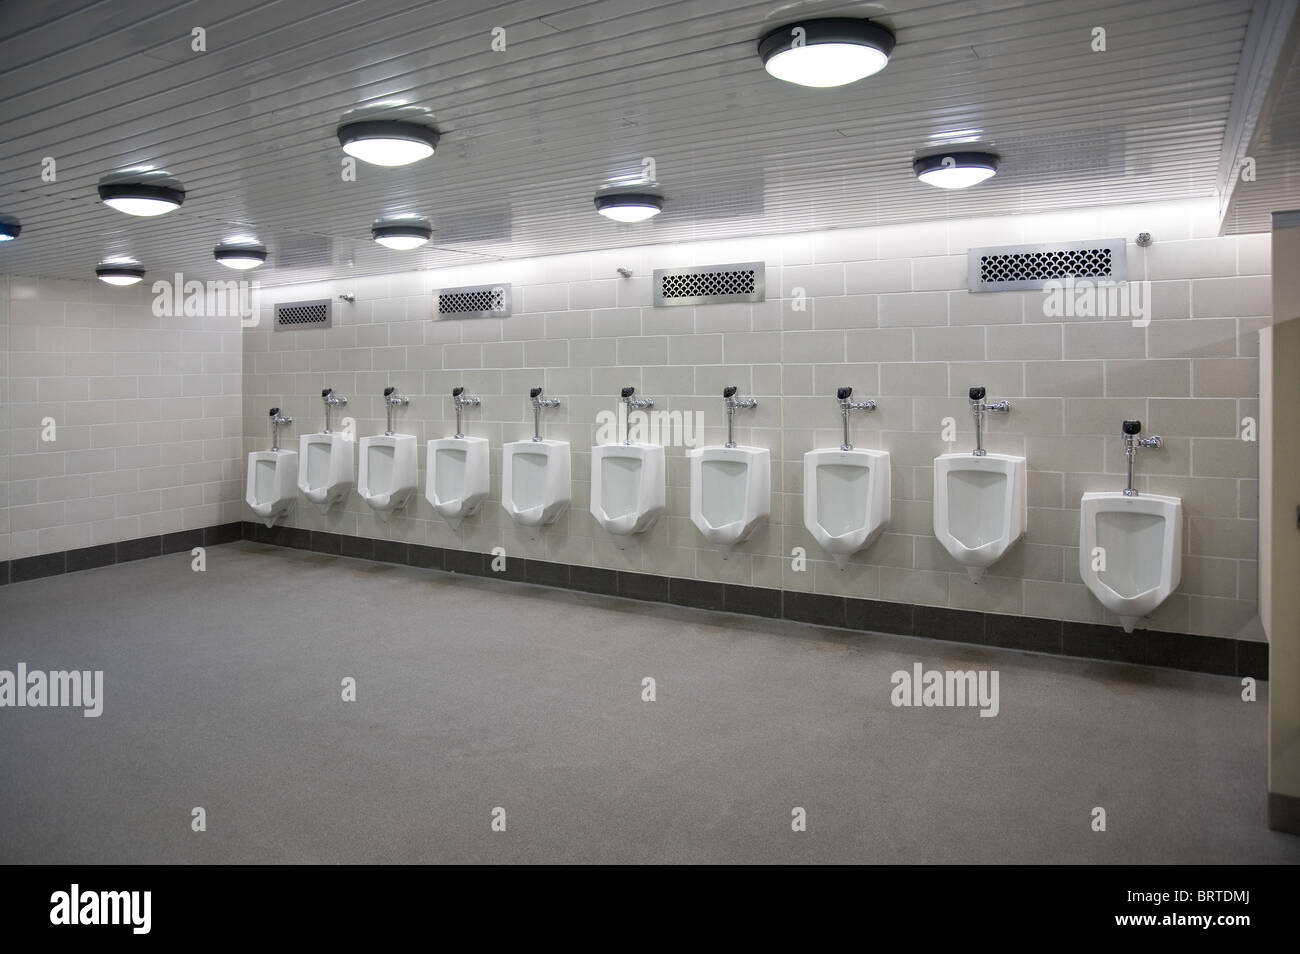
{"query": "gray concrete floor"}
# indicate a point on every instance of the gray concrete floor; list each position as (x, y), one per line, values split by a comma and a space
(223, 691)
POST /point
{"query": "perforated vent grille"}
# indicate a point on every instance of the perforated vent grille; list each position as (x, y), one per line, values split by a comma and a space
(303, 314)
(1024, 267)
(709, 284)
(479, 301)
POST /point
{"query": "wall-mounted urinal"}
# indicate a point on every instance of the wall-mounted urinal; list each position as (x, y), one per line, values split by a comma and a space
(628, 480)
(1130, 544)
(328, 471)
(456, 469)
(981, 505)
(846, 491)
(536, 475)
(387, 475)
(731, 486)
(272, 481)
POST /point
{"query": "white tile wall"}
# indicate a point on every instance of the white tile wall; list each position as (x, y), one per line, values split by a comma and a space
(888, 313)
(148, 417)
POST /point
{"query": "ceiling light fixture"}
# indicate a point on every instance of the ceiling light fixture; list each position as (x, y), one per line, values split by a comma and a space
(834, 51)
(629, 206)
(140, 198)
(119, 273)
(955, 170)
(388, 142)
(401, 236)
(239, 256)
(9, 228)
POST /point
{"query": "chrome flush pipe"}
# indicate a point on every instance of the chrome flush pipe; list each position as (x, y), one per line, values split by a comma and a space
(332, 401)
(843, 395)
(977, 409)
(539, 402)
(733, 404)
(391, 400)
(633, 404)
(1131, 443)
(461, 400)
(276, 420)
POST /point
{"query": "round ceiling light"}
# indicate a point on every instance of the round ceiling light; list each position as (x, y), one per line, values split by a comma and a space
(955, 170)
(401, 236)
(9, 228)
(119, 273)
(629, 206)
(239, 256)
(140, 198)
(388, 142)
(834, 51)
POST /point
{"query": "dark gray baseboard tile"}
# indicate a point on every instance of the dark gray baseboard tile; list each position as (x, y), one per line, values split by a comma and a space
(1207, 654)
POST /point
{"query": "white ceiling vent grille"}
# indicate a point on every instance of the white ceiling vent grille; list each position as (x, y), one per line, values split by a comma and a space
(1029, 267)
(709, 284)
(297, 315)
(473, 301)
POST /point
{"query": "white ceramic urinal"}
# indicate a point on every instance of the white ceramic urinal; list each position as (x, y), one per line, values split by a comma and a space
(456, 476)
(731, 492)
(386, 478)
(536, 481)
(846, 499)
(981, 507)
(272, 483)
(328, 471)
(1130, 551)
(627, 486)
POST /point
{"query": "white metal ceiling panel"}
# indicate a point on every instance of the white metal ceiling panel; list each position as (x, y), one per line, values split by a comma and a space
(583, 91)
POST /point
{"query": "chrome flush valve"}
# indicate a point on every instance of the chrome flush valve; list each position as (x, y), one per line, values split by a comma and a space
(332, 401)
(843, 395)
(462, 400)
(392, 400)
(628, 397)
(276, 420)
(635, 403)
(734, 404)
(977, 409)
(539, 402)
(1132, 442)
